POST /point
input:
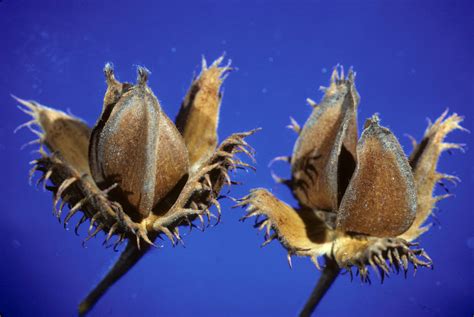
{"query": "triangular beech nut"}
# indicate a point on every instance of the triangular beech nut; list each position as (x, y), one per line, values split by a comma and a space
(135, 145)
(324, 155)
(381, 197)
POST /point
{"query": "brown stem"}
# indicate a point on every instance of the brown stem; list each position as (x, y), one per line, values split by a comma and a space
(328, 276)
(127, 259)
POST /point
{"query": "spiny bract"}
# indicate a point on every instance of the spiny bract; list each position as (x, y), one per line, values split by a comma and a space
(361, 201)
(136, 175)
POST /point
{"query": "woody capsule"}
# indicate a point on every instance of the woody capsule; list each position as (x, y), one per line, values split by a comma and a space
(137, 175)
(361, 201)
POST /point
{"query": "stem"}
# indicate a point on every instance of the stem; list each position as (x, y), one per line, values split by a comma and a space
(328, 276)
(127, 259)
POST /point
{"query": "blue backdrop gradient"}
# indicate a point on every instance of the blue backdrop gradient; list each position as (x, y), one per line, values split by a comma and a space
(413, 60)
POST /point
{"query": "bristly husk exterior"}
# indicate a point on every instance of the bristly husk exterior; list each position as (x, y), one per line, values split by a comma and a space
(197, 120)
(361, 203)
(135, 176)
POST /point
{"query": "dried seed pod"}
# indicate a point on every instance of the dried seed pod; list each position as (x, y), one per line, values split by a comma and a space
(140, 184)
(380, 200)
(324, 155)
(135, 145)
(360, 204)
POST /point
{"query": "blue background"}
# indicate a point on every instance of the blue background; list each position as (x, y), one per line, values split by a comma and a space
(413, 60)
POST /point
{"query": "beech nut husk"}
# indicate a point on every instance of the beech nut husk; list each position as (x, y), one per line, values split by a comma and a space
(361, 201)
(136, 175)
